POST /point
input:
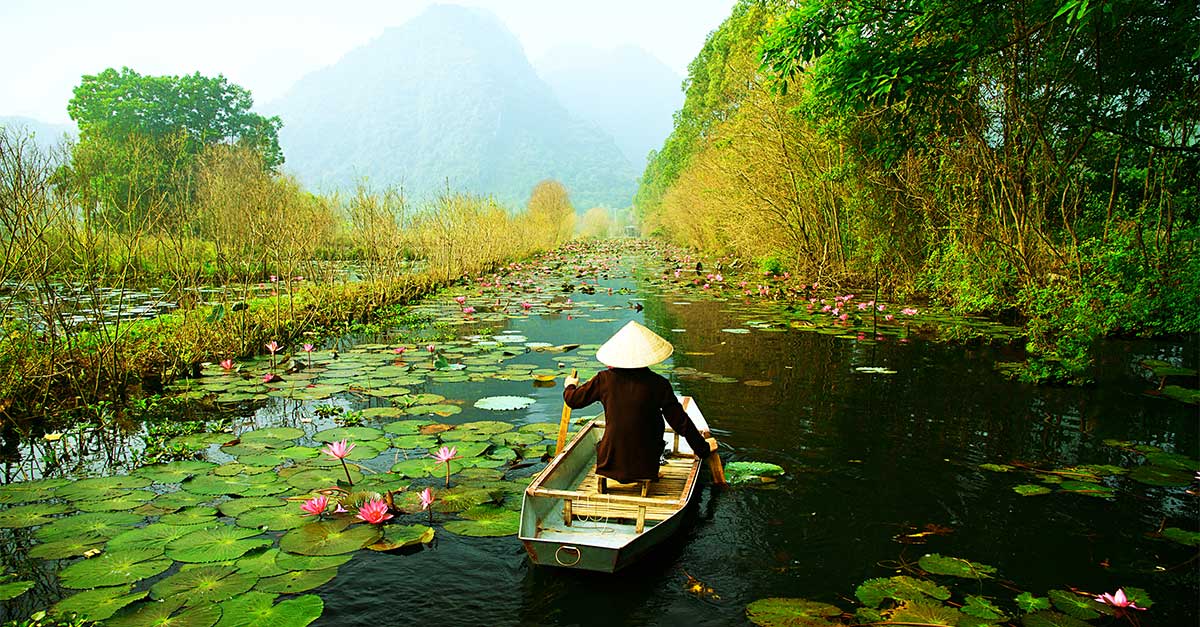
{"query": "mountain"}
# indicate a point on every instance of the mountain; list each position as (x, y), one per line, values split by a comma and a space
(448, 98)
(46, 135)
(627, 91)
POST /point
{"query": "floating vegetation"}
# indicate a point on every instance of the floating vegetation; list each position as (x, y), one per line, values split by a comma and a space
(915, 600)
(746, 472)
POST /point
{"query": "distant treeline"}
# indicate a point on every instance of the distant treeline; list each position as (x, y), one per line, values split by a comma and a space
(173, 184)
(1035, 156)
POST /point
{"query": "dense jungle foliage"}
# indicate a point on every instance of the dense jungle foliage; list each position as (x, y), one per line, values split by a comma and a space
(1036, 157)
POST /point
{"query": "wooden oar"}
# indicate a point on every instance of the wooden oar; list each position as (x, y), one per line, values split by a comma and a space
(715, 467)
(562, 424)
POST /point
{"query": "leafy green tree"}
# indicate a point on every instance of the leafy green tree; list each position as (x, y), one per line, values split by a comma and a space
(140, 136)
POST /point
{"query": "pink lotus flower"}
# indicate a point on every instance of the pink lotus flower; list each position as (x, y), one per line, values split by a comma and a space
(399, 350)
(431, 348)
(308, 348)
(272, 346)
(446, 454)
(274, 279)
(338, 450)
(315, 506)
(271, 376)
(443, 456)
(426, 498)
(1118, 600)
(468, 310)
(227, 364)
(460, 299)
(908, 311)
(374, 511)
(881, 307)
(526, 306)
(889, 317)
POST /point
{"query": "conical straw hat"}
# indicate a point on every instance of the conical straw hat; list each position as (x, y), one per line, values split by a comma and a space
(634, 346)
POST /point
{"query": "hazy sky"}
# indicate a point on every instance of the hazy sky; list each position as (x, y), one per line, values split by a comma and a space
(266, 45)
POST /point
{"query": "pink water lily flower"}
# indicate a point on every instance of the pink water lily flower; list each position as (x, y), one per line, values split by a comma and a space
(1118, 600)
(338, 450)
(272, 346)
(374, 511)
(446, 454)
(426, 498)
(526, 306)
(468, 310)
(460, 299)
(908, 311)
(399, 350)
(227, 364)
(308, 348)
(315, 506)
(431, 348)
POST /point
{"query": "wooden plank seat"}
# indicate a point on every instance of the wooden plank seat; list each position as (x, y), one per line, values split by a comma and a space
(626, 501)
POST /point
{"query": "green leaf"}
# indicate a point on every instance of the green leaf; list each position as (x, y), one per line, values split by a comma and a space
(67, 547)
(925, 613)
(99, 524)
(215, 544)
(1187, 538)
(296, 581)
(400, 536)
(1139, 597)
(1074, 605)
(260, 563)
(329, 538)
(206, 584)
(504, 403)
(1027, 489)
(750, 472)
(171, 613)
(781, 612)
(255, 609)
(1029, 603)
(98, 604)
(955, 567)
(23, 516)
(291, 561)
(113, 569)
(873, 592)
(151, 537)
(997, 467)
(980, 607)
(14, 589)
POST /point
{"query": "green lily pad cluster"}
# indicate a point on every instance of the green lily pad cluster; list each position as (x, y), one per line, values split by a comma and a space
(918, 599)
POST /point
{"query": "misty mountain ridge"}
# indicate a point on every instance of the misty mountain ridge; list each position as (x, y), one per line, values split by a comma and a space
(448, 98)
(45, 134)
(626, 91)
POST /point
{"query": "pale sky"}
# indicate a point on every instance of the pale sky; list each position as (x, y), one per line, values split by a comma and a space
(265, 46)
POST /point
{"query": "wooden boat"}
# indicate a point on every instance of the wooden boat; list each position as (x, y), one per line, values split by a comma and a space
(566, 521)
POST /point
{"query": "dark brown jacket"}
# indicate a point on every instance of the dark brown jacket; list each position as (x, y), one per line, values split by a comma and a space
(635, 402)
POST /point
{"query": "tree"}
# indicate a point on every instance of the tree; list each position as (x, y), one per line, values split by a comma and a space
(597, 222)
(551, 216)
(140, 136)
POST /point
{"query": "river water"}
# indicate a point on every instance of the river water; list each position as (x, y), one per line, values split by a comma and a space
(880, 470)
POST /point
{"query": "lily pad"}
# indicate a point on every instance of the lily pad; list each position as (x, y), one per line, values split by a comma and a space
(353, 434)
(781, 612)
(99, 604)
(486, 521)
(955, 567)
(257, 609)
(67, 547)
(750, 472)
(100, 524)
(1186, 538)
(873, 592)
(171, 613)
(295, 581)
(1028, 489)
(504, 403)
(198, 515)
(98, 487)
(291, 561)
(271, 518)
(173, 472)
(400, 536)
(114, 568)
(1160, 476)
(925, 613)
(154, 537)
(980, 607)
(236, 507)
(14, 589)
(23, 516)
(1029, 603)
(206, 584)
(273, 433)
(1074, 605)
(216, 544)
(329, 538)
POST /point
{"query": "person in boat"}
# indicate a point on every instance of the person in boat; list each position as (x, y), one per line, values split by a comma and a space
(636, 400)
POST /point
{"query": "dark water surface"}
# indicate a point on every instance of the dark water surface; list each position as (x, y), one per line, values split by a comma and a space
(870, 458)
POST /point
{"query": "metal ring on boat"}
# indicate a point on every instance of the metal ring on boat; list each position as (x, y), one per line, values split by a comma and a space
(578, 555)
